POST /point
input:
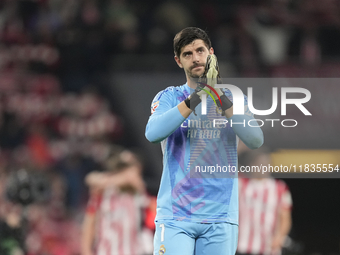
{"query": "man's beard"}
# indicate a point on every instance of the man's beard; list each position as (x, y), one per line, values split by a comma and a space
(193, 75)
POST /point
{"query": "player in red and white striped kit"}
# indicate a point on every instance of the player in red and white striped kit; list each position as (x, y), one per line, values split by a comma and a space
(113, 219)
(265, 211)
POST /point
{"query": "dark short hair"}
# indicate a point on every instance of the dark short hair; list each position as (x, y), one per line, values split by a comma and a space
(116, 162)
(187, 36)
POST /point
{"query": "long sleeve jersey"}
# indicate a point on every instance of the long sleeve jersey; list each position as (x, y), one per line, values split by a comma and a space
(199, 179)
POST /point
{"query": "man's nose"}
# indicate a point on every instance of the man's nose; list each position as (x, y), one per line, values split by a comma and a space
(195, 57)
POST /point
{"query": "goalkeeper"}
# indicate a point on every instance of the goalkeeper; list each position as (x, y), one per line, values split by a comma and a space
(197, 214)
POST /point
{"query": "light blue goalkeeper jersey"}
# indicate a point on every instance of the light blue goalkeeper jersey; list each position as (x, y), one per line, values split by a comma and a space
(199, 179)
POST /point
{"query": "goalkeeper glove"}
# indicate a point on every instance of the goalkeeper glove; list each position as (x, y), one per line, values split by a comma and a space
(195, 98)
(211, 77)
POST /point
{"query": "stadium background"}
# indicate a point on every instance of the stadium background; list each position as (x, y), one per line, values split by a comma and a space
(77, 76)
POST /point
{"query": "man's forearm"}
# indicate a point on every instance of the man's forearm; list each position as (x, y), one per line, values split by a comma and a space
(252, 136)
(184, 110)
(161, 126)
(229, 112)
(285, 223)
(87, 234)
(283, 228)
(101, 180)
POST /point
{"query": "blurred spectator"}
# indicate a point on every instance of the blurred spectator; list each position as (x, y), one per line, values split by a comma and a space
(174, 16)
(42, 128)
(317, 32)
(265, 208)
(51, 229)
(304, 44)
(12, 236)
(269, 26)
(11, 225)
(12, 132)
(37, 144)
(113, 219)
(74, 168)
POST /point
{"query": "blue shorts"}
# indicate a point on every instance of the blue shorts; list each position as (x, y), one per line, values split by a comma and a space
(174, 237)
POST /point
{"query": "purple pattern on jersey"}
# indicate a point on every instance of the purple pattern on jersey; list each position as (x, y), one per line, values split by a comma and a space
(195, 208)
(183, 96)
(185, 185)
(176, 143)
(187, 199)
(184, 194)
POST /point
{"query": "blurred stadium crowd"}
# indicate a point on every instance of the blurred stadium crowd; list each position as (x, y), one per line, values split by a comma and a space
(56, 115)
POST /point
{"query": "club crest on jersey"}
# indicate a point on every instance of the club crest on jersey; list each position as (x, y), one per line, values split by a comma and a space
(218, 110)
(154, 106)
(161, 250)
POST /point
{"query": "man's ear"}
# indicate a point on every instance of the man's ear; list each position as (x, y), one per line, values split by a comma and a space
(178, 61)
(211, 51)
